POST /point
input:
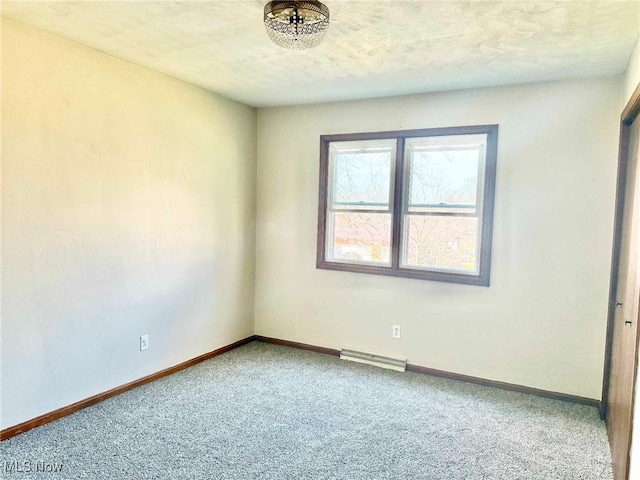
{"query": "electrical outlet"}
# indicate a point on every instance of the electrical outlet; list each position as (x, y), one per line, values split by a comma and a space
(395, 331)
(144, 342)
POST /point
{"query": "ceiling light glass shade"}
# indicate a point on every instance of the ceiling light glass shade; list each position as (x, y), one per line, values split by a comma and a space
(296, 24)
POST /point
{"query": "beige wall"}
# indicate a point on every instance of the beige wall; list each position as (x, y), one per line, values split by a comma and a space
(128, 207)
(542, 322)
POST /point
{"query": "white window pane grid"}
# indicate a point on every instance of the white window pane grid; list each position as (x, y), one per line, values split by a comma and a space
(441, 243)
(442, 204)
(357, 237)
(360, 209)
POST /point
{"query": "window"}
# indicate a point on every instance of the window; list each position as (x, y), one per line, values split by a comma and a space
(416, 203)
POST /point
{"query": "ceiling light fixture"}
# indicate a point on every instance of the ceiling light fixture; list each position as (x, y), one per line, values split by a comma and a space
(296, 24)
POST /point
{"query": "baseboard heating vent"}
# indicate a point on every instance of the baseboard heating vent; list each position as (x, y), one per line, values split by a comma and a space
(397, 364)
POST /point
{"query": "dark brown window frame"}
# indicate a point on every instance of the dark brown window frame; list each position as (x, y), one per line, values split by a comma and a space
(395, 270)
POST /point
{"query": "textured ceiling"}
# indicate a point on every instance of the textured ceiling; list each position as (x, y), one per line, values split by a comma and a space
(372, 48)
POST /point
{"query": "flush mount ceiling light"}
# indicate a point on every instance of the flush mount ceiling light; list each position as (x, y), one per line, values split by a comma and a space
(296, 24)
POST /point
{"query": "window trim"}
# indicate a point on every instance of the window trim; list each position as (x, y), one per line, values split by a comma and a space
(398, 187)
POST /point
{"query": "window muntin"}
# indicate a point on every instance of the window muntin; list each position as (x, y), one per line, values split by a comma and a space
(438, 242)
(415, 203)
(442, 211)
(359, 212)
(360, 237)
(362, 177)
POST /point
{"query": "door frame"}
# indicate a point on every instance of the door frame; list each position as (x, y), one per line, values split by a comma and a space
(629, 114)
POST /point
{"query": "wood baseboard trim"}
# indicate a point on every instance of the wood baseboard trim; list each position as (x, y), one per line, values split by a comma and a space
(449, 375)
(69, 409)
(301, 346)
(87, 402)
(565, 397)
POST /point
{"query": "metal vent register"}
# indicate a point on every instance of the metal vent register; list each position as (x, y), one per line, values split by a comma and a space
(397, 364)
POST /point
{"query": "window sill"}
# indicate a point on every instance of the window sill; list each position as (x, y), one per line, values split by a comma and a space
(461, 278)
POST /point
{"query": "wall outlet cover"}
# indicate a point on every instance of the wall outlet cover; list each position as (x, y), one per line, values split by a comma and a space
(395, 331)
(144, 342)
